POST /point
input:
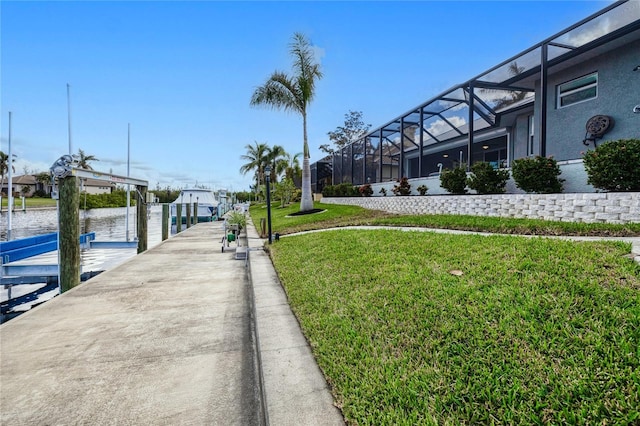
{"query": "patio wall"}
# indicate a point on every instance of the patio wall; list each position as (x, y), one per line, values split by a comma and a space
(610, 207)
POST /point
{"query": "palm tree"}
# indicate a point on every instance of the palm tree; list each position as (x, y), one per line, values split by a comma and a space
(257, 159)
(275, 157)
(294, 93)
(4, 166)
(83, 160)
(292, 167)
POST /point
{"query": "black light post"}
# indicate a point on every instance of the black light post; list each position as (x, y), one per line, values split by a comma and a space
(267, 171)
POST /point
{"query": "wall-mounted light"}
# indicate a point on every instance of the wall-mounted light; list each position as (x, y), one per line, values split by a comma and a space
(485, 146)
(446, 155)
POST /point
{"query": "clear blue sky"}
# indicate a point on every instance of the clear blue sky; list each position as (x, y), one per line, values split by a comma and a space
(182, 73)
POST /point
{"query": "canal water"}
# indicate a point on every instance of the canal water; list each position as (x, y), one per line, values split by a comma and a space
(109, 224)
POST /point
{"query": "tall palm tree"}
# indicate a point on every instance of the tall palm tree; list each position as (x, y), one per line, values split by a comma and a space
(83, 160)
(294, 93)
(256, 157)
(4, 166)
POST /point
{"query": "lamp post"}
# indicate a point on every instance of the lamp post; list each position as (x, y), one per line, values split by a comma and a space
(267, 171)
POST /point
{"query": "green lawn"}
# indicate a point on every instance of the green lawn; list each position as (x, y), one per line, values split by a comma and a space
(534, 331)
(339, 215)
(31, 202)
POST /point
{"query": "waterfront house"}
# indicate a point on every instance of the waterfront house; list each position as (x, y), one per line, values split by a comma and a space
(558, 98)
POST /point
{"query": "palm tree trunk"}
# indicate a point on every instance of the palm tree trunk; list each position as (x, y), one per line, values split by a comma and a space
(306, 201)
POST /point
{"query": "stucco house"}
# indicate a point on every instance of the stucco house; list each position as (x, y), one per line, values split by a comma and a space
(558, 98)
(27, 185)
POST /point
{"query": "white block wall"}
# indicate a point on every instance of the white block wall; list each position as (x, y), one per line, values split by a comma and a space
(609, 207)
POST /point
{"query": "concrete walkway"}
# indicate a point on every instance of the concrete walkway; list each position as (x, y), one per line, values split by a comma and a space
(166, 338)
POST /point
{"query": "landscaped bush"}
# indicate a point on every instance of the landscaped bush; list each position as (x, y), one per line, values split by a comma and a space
(538, 174)
(485, 179)
(402, 188)
(614, 165)
(117, 198)
(454, 181)
(422, 189)
(342, 190)
(366, 190)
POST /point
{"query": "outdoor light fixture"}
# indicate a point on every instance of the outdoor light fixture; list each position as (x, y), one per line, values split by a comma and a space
(446, 155)
(267, 171)
(485, 146)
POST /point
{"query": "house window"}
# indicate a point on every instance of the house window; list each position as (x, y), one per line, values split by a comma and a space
(578, 90)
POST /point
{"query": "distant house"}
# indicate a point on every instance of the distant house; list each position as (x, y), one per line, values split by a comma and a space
(94, 186)
(538, 102)
(27, 185)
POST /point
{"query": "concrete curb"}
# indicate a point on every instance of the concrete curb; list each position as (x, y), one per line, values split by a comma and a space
(294, 390)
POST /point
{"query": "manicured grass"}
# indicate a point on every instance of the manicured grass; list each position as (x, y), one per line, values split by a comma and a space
(534, 331)
(31, 202)
(339, 215)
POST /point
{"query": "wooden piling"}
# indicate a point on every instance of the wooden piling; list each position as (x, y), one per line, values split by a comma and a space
(188, 215)
(195, 213)
(141, 204)
(178, 218)
(69, 226)
(165, 221)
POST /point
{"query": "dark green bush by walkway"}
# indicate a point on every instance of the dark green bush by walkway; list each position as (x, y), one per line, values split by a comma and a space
(538, 174)
(614, 165)
(485, 179)
(454, 181)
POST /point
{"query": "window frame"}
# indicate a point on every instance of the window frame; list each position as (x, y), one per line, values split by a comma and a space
(560, 94)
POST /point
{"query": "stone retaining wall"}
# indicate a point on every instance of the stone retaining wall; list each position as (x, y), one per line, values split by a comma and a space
(609, 207)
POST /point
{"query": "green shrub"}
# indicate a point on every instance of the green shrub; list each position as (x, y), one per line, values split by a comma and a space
(487, 180)
(614, 165)
(454, 181)
(538, 174)
(117, 198)
(342, 190)
(422, 189)
(383, 191)
(402, 188)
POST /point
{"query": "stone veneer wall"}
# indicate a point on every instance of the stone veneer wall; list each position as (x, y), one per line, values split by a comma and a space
(609, 207)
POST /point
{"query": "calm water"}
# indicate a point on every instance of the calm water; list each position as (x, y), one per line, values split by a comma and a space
(108, 224)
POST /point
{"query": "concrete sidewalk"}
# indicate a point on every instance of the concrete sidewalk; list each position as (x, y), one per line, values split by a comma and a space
(295, 391)
(168, 337)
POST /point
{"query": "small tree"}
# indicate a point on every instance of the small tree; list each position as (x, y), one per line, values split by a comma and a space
(353, 129)
(285, 191)
(614, 165)
(538, 174)
(454, 181)
(402, 188)
(485, 179)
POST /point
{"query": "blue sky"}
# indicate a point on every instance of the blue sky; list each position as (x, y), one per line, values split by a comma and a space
(182, 73)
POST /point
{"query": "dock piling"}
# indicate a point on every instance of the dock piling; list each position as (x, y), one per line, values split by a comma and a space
(69, 225)
(165, 221)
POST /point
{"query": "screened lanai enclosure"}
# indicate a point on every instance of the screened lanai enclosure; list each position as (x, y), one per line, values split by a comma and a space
(497, 116)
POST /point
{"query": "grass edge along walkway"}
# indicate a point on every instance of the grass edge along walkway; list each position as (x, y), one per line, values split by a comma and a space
(335, 215)
(531, 331)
